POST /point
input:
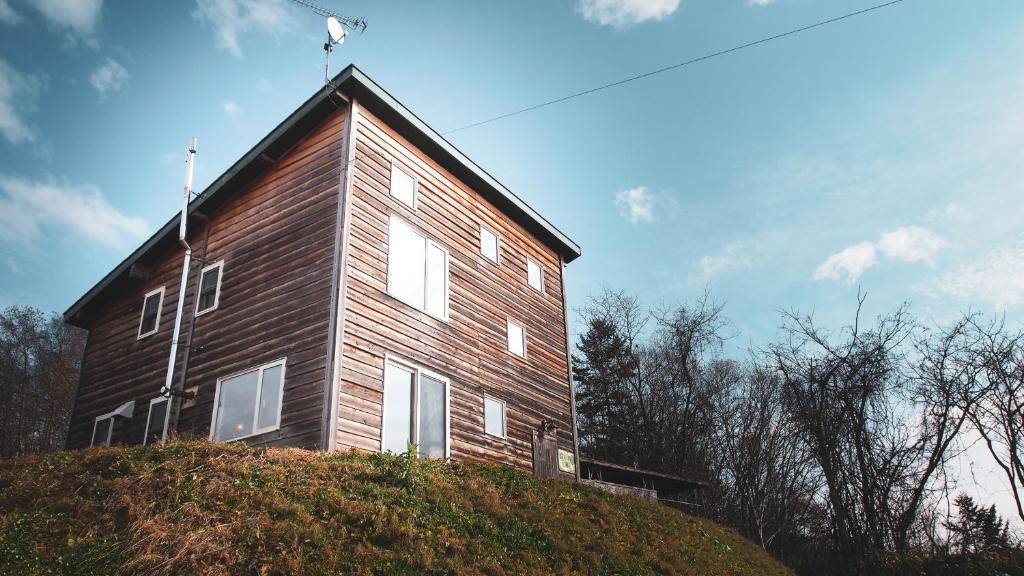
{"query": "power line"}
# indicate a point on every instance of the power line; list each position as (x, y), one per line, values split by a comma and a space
(675, 66)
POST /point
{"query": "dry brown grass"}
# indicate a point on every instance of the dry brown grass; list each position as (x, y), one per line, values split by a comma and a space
(198, 508)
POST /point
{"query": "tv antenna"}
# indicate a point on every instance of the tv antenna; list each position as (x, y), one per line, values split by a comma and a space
(336, 31)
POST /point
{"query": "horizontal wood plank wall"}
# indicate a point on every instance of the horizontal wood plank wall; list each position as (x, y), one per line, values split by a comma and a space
(471, 349)
(276, 237)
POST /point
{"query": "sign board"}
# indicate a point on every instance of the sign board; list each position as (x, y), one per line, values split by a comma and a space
(566, 461)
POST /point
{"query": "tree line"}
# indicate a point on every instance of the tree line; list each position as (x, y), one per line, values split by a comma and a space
(831, 448)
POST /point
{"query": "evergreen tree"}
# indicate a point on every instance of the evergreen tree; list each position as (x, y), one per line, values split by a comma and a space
(603, 405)
(977, 529)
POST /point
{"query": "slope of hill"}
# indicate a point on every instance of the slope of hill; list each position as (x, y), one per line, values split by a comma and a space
(201, 508)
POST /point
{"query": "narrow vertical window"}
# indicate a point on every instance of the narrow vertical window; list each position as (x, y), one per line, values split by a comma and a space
(516, 339)
(403, 186)
(494, 417)
(415, 411)
(209, 288)
(417, 270)
(155, 420)
(534, 275)
(102, 430)
(151, 305)
(249, 403)
(489, 244)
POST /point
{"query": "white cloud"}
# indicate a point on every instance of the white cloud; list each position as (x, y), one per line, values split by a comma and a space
(908, 244)
(231, 108)
(78, 16)
(732, 257)
(636, 204)
(911, 244)
(7, 14)
(109, 78)
(233, 19)
(997, 279)
(760, 2)
(851, 262)
(17, 95)
(622, 13)
(28, 207)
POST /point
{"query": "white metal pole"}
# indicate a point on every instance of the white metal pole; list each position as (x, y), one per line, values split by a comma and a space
(182, 229)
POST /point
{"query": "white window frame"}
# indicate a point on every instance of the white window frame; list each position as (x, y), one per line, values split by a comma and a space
(508, 326)
(282, 362)
(415, 185)
(539, 267)
(149, 416)
(417, 371)
(110, 430)
(216, 295)
(504, 416)
(497, 245)
(447, 271)
(159, 309)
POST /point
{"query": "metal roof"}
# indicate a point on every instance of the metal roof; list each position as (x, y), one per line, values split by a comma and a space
(353, 83)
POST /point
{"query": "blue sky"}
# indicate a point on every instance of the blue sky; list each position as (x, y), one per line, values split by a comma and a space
(881, 153)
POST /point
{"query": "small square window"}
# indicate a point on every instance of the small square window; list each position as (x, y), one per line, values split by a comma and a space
(489, 244)
(209, 288)
(155, 420)
(494, 417)
(403, 186)
(102, 431)
(534, 275)
(516, 339)
(151, 305)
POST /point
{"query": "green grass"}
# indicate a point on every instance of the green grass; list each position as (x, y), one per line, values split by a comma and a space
(199, 508)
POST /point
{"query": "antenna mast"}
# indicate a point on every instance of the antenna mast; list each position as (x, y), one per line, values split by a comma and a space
(335, 31)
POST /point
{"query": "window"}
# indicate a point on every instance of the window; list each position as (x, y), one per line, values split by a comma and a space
(516, 339)
(403, 186)
(415, 410)
(489, 244)
(209, 288)
(494, 417)
(102, 430)
(155, 420)
(417, 270)
(249, 403)
(151, 306)
(534, 274)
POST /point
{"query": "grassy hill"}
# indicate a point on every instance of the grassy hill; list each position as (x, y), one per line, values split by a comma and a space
(201, 508)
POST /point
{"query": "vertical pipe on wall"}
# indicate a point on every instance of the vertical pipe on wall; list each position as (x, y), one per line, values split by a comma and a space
(182, 230)
(572, 384)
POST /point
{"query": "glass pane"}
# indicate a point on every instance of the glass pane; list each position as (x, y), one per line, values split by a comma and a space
(150, 310)
(397, 409)
(406, 264)
(208, 289)
(403, 186)
(533, 274)
(494, 417)
(489, 244)
(270, 398)
(516, 345)
(236, 406)
(432, 416)
(437, 281)
(155, 429)
(99, 436)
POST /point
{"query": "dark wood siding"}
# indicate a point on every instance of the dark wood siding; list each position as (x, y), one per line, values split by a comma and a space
(470, 349)
(276, 237)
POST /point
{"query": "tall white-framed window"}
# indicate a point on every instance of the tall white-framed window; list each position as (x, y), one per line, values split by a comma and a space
(103, 426)
(209, 288)
(490, 246)
(516, 339)
(155, 420)
(416, 410)
(248, 403)
(403, 185)
(494, 417)
(149, 323)
(534, 274)
(417, 269)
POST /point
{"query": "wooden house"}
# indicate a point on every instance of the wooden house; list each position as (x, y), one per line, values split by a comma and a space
(359, 283)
